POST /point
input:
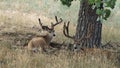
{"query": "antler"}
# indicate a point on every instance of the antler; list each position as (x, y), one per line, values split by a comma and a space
(40, 22)
(82, 38)
(57, 22)
(43, 27)
(66, 30)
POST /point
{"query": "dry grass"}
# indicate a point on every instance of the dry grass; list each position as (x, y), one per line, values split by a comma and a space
(20, 58)
(110, 34)
(12, 56)
(16, 21)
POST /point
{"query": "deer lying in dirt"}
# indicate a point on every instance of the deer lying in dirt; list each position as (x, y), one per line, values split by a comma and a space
(42, 42)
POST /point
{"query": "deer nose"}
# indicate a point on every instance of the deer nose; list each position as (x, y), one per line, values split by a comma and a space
(53, 34)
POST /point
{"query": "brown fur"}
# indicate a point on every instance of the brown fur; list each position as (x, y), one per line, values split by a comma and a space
(40, 42)
(95, 51)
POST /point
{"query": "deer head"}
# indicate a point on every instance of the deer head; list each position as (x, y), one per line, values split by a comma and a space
(76, 41)
(50, 30)
(66, 33)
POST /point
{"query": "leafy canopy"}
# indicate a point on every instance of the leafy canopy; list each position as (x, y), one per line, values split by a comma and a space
(66, 2)
(96, 4)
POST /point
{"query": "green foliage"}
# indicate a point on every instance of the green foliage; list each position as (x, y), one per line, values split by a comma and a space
(110, 3)
(101, 6)
(91, 1)
(66, 2)
(104, 12)
(99, 11)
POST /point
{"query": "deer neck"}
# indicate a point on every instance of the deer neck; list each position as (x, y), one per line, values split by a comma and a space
(48, 38)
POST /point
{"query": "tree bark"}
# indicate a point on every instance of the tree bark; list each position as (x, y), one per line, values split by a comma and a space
(88, 30)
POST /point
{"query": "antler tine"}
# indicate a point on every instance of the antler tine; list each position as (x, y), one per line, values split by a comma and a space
(56, 18)
(41, 25)
(67, 27)
(57, 22)
(40, 22)
(66, 30)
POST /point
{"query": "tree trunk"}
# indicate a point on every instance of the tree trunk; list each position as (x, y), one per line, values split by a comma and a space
(88, 30)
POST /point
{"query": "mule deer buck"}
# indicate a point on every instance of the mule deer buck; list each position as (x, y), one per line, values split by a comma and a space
(76, 41)
(108, 54)
(42, 42)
